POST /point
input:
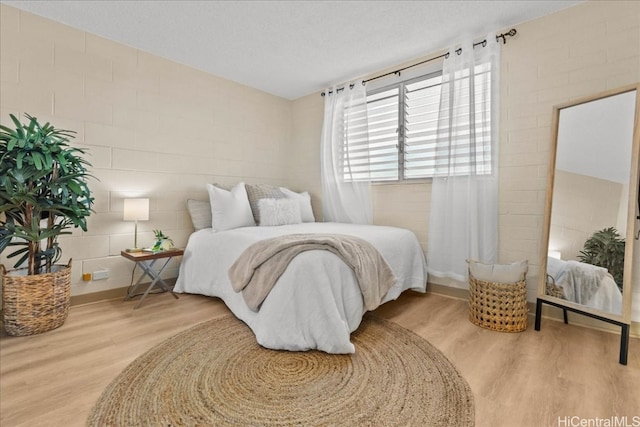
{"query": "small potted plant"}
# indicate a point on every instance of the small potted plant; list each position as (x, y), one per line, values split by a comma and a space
(162, 242)
(43, 193)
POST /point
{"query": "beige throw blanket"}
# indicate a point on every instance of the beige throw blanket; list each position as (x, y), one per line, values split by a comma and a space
(258, 268)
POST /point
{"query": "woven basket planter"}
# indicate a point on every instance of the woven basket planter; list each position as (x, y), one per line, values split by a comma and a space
(35, 304)
(498, 306)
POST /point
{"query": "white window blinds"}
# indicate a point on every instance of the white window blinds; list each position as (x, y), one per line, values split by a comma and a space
(403, 141)
(422, 102)
(465, 147)
(375, 157)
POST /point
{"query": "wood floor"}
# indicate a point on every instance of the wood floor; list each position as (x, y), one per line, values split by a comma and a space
(522, 379)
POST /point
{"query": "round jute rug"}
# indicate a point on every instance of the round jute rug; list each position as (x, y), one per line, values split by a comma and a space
(215, 374)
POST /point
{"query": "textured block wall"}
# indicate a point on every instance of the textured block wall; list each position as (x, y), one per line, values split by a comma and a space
(154, 128)
(159, 129)
(579, 51)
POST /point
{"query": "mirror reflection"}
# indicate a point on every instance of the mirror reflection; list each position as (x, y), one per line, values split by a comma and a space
(588, 224)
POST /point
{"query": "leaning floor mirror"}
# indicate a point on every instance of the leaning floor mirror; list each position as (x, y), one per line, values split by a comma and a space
(591, 217)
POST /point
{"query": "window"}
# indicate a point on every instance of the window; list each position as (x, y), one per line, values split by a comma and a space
(402, 132)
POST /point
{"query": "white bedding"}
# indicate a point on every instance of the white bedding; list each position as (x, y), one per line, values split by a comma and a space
(316, 303)
(581, 284)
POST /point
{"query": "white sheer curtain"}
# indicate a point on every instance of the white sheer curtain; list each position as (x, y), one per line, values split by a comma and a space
(463, 221)
(346, 186)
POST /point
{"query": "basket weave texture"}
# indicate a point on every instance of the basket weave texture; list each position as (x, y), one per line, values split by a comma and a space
(37, 303)
(552, 289)
(498, 306)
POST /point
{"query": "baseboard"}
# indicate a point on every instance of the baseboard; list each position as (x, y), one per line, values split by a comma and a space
(448, 291)
(548, 312)
(108, 294)
(115, 293)
(99, 296)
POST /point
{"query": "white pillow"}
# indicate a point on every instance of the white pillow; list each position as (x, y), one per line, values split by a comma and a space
(279, 212)
(255, 192)
(200, 213)
(498, 273)
(305, 203)
(230, 209)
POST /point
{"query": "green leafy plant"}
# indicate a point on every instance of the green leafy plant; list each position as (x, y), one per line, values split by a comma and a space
(162, 242)
(605, 248)
(43, 191)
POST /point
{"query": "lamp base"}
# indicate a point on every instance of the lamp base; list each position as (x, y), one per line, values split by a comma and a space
(133, 250)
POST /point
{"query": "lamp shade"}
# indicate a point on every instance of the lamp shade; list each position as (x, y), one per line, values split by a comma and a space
(136, 209)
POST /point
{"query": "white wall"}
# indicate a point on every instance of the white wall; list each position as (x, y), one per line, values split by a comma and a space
(162, 130)
(595, 138)
(576, 52)
(583, 205)
(153, 128)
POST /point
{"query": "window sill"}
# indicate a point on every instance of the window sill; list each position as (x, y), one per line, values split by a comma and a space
(421, 181)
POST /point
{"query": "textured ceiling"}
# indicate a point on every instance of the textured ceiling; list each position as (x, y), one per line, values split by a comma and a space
(290, 48)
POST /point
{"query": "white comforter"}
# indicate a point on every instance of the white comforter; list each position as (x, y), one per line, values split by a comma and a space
(316, 303)
(586, 284)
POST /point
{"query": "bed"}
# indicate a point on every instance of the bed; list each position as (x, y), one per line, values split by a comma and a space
(317, 302)
(584, 284)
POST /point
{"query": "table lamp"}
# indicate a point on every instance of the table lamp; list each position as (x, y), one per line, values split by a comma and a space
(136, 210)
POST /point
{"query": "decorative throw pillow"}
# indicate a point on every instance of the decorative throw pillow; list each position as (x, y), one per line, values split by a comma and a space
(230, 209)
(279, 212)
(255, 192)
(304, 199)
(227, 187)
(499, 273)
(200, 212)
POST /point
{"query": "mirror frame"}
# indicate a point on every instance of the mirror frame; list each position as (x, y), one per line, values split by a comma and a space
(625, 316)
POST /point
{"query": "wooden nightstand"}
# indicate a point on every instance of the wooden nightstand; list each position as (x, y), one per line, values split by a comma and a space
(146, 261)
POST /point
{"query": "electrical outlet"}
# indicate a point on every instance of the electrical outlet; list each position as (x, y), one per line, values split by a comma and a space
(101, 274)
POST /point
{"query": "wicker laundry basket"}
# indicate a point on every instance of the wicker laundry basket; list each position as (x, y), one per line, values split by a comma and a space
(498, 306)
(37, 303)
(552, 289)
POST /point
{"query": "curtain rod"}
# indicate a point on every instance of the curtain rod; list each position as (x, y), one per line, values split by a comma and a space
(512, 32)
